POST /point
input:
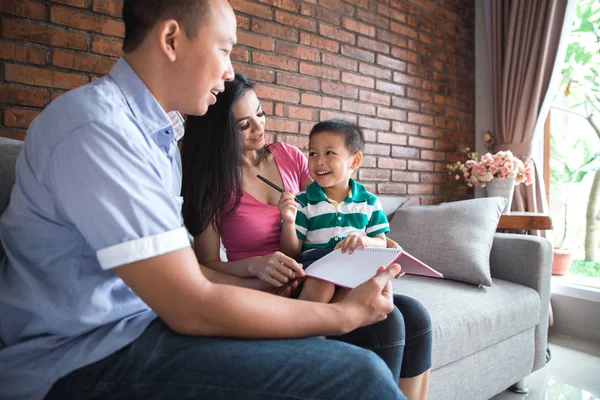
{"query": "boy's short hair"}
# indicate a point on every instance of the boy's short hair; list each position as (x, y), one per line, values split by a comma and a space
(352, 133)
(140, 16)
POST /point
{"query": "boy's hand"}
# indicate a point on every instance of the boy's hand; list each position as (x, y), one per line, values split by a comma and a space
(287, 206)
(351, 242)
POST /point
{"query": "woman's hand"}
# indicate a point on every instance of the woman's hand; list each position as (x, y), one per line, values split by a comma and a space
(351, 242)
(276, 269)
(287, 206)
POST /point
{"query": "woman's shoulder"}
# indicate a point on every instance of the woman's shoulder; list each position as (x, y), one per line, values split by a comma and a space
(285, 148)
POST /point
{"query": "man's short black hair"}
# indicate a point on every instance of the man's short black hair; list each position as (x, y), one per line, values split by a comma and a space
(353, 135)
(140, 16)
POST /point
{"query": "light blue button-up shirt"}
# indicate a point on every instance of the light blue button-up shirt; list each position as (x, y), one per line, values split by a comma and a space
(97, 186)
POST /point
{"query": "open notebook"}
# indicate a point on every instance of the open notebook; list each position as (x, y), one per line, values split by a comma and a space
(350, 270)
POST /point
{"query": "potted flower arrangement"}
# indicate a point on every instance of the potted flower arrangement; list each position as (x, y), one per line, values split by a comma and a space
(498, 173)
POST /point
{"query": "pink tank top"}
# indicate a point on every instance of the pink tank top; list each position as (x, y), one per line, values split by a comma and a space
(254, 228)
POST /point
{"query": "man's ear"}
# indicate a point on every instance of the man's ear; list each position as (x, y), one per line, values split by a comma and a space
(170, 35)
(358, 159)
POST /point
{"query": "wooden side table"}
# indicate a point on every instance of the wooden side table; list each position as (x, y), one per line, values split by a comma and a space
(525, 221)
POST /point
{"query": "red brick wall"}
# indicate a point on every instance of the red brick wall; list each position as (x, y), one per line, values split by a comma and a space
(401, 69)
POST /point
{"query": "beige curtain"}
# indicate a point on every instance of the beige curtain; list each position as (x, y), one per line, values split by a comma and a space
(525, 36)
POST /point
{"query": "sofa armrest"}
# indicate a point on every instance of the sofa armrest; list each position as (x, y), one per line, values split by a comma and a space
(526, 260)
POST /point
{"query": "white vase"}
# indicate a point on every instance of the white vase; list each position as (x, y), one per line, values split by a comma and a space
(501, 188)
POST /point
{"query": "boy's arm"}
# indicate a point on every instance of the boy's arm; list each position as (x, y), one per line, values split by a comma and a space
(289, 241)
(291, 216)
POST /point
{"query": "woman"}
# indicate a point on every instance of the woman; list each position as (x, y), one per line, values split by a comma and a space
(223, 152)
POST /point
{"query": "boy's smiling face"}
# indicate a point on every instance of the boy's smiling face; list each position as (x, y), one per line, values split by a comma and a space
(330, 163)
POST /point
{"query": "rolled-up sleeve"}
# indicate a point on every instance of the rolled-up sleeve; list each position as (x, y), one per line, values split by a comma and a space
(115, 188)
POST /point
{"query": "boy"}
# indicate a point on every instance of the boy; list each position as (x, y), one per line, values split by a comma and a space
(339, 212)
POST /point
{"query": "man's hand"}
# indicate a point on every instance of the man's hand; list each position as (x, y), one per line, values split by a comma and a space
(372, 301)
(288, 207)
(276, 269)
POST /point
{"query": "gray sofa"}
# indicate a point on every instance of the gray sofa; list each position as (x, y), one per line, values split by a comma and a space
(485, 338)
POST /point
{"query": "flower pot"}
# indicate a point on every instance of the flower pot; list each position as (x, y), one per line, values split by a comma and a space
(501, 188)
(562, 261)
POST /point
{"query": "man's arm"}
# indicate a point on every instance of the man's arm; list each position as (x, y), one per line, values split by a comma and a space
(174, 287)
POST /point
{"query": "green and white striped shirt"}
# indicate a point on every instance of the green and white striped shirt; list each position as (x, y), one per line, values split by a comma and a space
(322, 223)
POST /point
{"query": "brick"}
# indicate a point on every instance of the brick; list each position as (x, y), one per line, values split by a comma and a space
(370, 135)
(277, 94)
(420, 189)
(405, 55)
(403, 176)
(433, 155)
(55, 94)
(107, 47)
(305, 127)
(13, 134)
(358, 80)
(369, 162)
(242, 22)
(391, 163)
(391, 138)
(339, 61)
(432, 132)
(25, 54)
(320, 101)
(295, 21)
(405, 152)
(435, 178)
(414, 165)
(319, 13)
(392, 63)
(284, 110)
(274, 30)
(23, 8)
(300, 142)
(391, 12)
(296, 81)
(358, 108)
(339, 90)
(255, 73)
(74, 3)
(319, 42)
(407, 79)
(333, 32)
(416, 141)
(391, 113)
(42, 77)
(319, 71)
(81, 20)
(391, 188)
(241, 55)
(390, 88)
(296, 51)
(368, 174)
(403, 29)
(267, 107)
(109, 7)
(374, 123)
(19, 117)
(80, 62)
(359, 54)
(338, 6)
(420, 71)
(405, 103)
(358, 27)
(326, 114)
(370, 17)
(391, 38)
(446, 124)
(247, 7)
(12, 29)
(256, 41)
(270, 60)
(290, 5)
(283, 125)
(377, 149)
(373, 97)
(418, 94)
(431, 109)
(23, 96)
(369, 69)
(420, 118)
(359, 3)
(373, 45)
(401, 127)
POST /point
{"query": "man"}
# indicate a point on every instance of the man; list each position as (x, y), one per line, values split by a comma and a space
(96, 251)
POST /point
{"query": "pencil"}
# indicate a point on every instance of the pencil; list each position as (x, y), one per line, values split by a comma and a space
(280, 190)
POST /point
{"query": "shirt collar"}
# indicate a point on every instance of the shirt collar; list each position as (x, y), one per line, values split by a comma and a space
(148, 112)
(357, 193)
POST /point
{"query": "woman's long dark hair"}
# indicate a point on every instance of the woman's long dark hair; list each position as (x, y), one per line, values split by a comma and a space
(212, 160)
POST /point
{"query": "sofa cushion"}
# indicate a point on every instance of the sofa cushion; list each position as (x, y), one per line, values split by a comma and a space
(454, 238)
(466, 318)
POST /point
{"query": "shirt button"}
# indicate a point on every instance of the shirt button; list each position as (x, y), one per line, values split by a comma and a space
(339, 218)
(336, 238)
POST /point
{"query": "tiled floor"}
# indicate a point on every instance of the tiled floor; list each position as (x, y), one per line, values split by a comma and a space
(572, 374)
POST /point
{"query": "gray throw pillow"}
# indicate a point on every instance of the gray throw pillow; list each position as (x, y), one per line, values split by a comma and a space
(454, 238)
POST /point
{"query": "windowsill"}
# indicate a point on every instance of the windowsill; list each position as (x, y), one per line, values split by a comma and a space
(576, 286)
